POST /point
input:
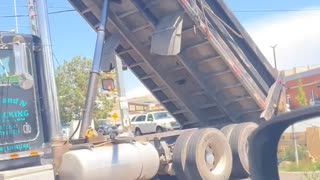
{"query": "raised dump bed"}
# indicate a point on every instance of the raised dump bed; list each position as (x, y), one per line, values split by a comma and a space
(194, 57)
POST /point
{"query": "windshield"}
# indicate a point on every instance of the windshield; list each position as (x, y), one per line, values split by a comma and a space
(161, 115)
(18, 112)
(7, 64)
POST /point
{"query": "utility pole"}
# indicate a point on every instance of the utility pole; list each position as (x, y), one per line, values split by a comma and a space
(124, 109)
(294, 140)
(39, 16)
(33, 17)
(16, 15)
(274, 56)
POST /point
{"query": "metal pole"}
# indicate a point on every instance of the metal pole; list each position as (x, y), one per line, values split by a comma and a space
(33, 17)
(52, 110)
(16, 15)
(124, 109)
(293, 134)
(312, 96)
(274, 56)
(95, 72)
(295, 145)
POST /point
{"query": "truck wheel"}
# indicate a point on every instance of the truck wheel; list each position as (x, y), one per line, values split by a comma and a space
(227, 130)
(209, 156)
(101, 132)
(180, 154)
(137, 132)
(239, 142)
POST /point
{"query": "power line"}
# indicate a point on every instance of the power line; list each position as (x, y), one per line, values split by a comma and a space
(236, 11)
(54, 56)
(275, 10)
(49, 7)
(26, 15)
(62, 11)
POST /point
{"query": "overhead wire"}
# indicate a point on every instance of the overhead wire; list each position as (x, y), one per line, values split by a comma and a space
(26, 15)
(274, 10)
(236, 11)
(55, 58)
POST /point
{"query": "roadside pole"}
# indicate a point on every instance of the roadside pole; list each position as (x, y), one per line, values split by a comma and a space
(123, 101)
(294, 141)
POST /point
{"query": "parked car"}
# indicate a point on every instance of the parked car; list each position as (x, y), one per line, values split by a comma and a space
(104, 126)
(153, 122)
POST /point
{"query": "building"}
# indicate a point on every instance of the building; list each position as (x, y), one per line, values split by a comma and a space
(144, 104)
(303, 86)
(309, 138)
(313, 141)
(286, 139)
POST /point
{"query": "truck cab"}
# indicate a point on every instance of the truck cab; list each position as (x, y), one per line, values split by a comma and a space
(21, 135)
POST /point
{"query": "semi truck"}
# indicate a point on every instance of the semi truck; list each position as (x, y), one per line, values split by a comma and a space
(194, 57)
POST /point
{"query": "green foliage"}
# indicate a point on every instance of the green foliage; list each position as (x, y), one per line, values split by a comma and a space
(289, 154)
(72, 80)
(303, 166)
(301, 97)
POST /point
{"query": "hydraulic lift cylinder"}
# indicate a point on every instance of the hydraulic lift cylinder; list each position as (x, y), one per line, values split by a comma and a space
(95, 72)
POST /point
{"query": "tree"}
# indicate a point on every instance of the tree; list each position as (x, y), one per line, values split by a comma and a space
(301, 97)
(72, 79)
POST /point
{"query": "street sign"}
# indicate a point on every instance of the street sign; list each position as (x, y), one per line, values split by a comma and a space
(115, 116)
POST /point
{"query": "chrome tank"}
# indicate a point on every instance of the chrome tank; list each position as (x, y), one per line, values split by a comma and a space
(113, 162)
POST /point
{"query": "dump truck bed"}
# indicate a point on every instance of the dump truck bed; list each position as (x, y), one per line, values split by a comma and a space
(193, 56)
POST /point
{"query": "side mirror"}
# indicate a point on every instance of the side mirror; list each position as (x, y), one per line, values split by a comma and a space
(108, 84)
(21, 65)
(264, 142)
(21, 59)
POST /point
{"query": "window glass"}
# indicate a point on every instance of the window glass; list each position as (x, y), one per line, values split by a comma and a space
(7, 64)
(150, 118)
(140, 118)
(161, 115)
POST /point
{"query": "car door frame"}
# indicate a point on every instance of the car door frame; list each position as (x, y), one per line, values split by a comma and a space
(141, 124)
(151, 125)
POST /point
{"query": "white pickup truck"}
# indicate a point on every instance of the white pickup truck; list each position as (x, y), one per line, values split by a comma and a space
(153, 122)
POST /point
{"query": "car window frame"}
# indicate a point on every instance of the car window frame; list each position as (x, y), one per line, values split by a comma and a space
(143, 117)
(151, 115)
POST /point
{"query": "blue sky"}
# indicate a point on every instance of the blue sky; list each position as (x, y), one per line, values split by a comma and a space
(71, 35)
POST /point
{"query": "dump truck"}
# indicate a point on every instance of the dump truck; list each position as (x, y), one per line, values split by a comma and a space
(194, 57)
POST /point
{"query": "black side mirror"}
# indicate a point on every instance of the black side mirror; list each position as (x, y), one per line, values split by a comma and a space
(264, 142)
(108, 84)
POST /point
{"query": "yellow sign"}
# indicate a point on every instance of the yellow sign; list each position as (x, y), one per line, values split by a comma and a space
(115, 116)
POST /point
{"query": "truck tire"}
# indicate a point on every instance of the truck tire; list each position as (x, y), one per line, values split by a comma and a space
(209, 156)
(239, 145)
(227, 130)
(180, 154)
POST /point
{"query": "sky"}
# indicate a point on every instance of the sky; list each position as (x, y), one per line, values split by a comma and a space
(292, 24)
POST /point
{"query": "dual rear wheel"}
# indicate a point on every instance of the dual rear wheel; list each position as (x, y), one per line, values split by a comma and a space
(210, 154)
(202, 155)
